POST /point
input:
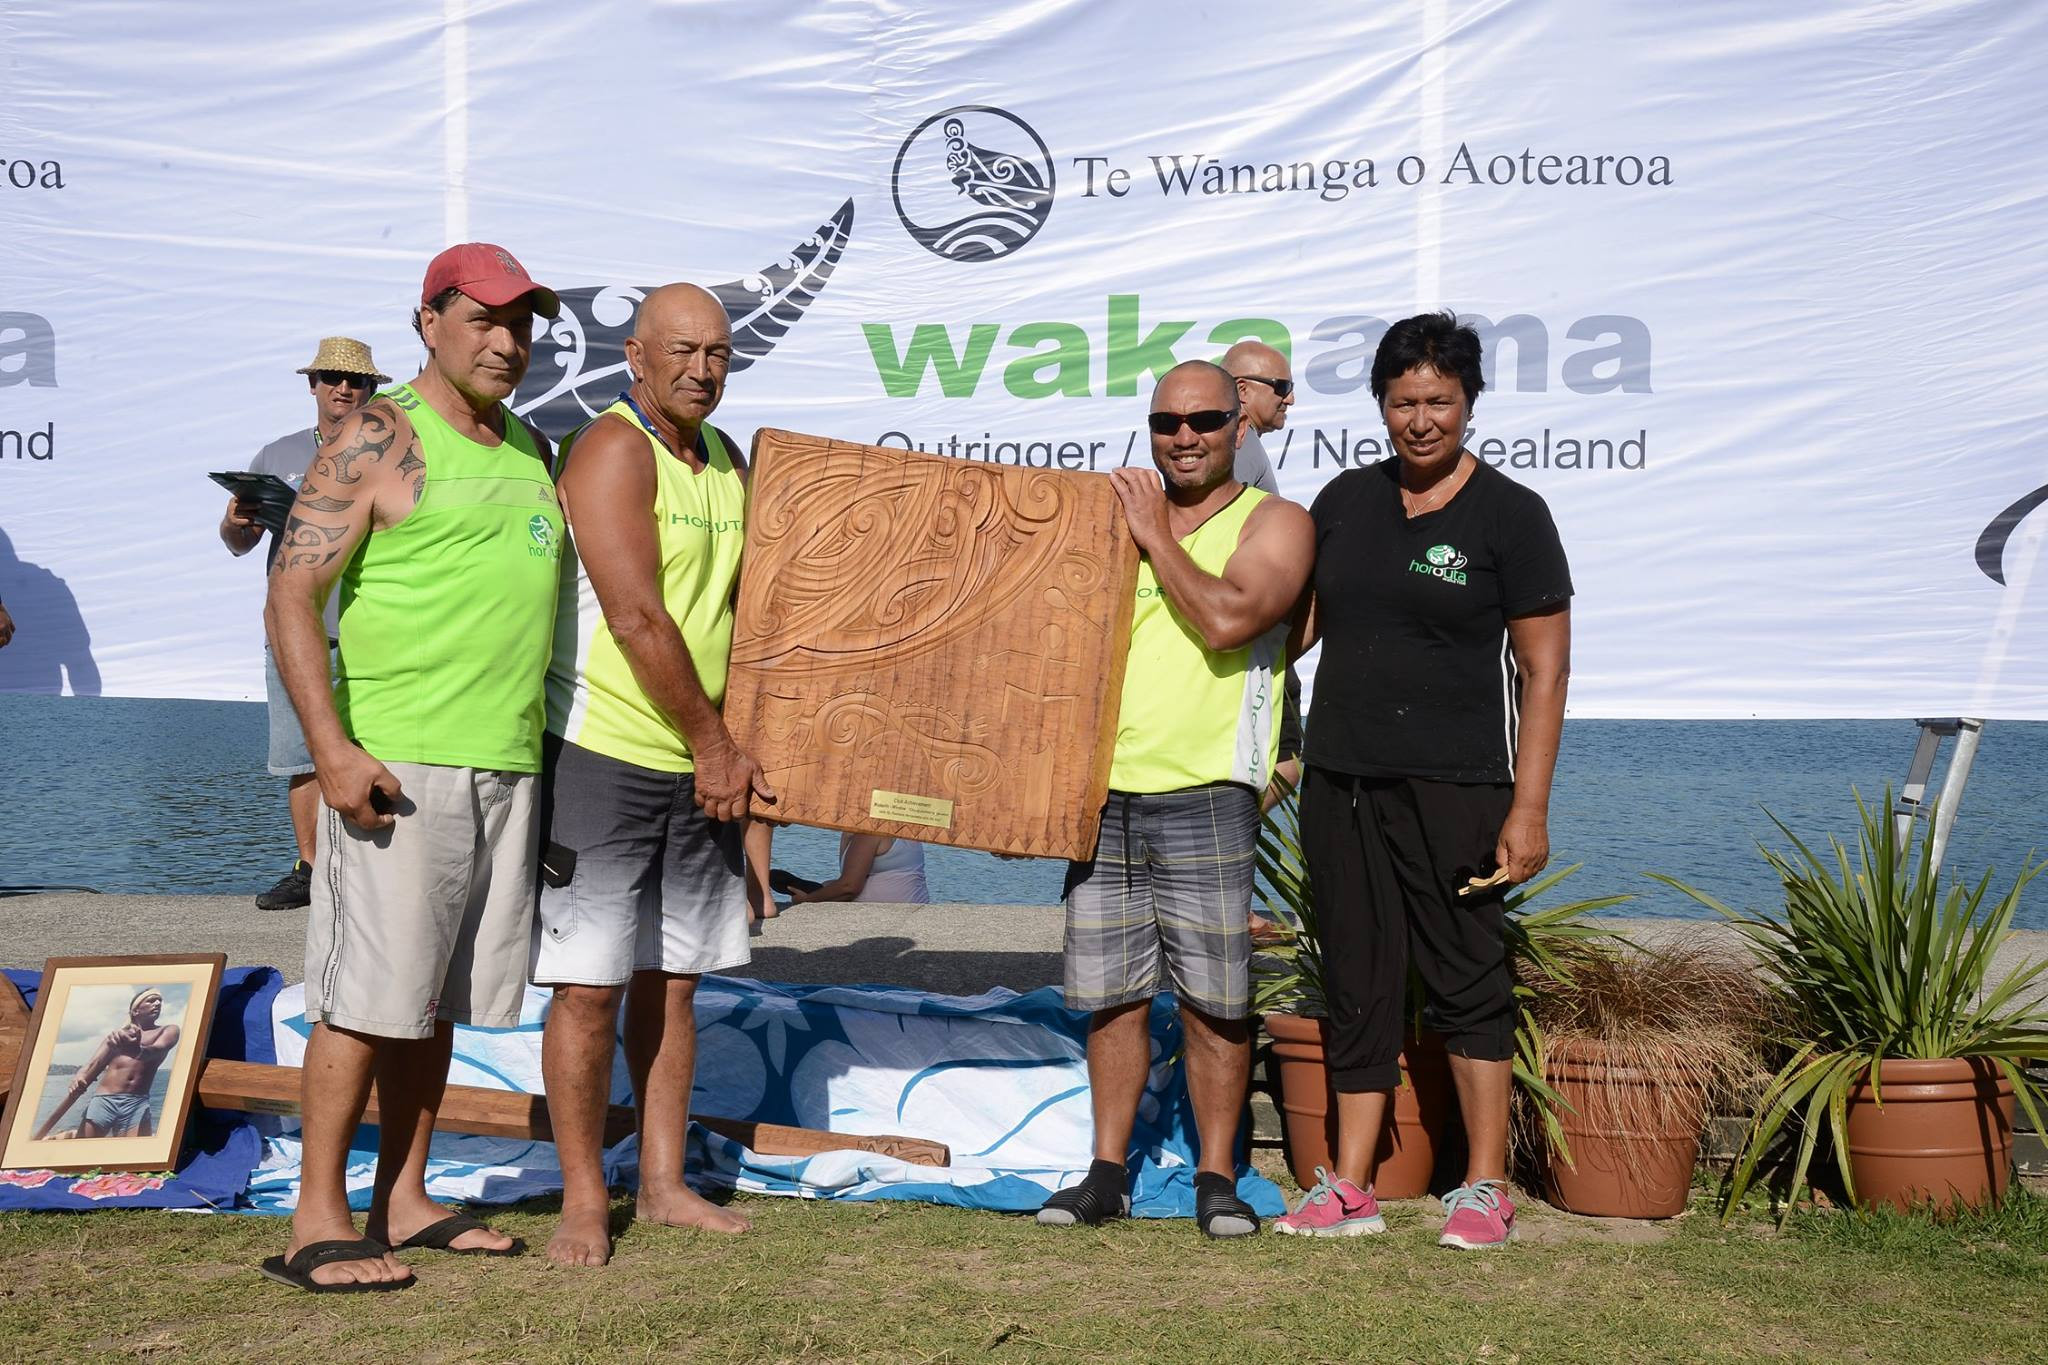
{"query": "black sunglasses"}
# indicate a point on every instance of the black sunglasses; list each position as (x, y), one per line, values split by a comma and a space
(1167, 423)
(1280, 387)
(343, 379)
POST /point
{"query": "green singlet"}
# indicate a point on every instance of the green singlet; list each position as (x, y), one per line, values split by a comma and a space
(700, 519)
(448, 617)
(1192, 716)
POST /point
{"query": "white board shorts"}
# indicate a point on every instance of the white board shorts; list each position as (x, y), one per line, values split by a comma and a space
(431, 918)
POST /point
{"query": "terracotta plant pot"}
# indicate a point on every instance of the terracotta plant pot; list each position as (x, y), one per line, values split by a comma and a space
(1632, 1148)
(1308, 1107)
(1943, 1135)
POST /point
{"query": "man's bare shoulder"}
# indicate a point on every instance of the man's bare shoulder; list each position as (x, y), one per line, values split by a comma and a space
(609, 463)
(1279, 518)
(608, 439)
(375, 440)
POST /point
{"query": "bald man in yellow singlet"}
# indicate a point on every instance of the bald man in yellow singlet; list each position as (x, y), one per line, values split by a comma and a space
(645, 794)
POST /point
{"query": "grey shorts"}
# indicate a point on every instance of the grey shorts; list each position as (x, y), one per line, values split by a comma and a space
(288, 754)
(1171, 881)
(119, 1115)
(427, 919)
(634, 877)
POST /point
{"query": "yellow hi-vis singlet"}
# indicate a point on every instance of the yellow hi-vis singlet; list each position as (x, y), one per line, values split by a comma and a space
(1191, 716)
(700, 517)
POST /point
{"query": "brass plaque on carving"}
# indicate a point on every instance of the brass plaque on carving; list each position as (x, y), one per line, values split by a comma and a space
(929, 647)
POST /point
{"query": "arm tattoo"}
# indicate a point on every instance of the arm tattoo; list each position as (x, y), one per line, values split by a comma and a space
(373, 441)
(327, 504)
(305, 545)
(414, 468)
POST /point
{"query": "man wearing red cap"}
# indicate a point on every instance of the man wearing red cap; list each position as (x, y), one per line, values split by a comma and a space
(433, 513)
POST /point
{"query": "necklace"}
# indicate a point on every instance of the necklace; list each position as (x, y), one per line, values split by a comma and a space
(1446, 486)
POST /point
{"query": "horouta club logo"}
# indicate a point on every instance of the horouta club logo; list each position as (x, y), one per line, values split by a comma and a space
(1441, 561)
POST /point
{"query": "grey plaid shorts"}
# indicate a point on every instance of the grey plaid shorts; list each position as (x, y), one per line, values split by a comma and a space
(1171, 879)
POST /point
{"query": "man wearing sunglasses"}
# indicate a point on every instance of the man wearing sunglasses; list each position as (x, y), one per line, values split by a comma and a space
(341, 377)
(1170, 884)
(1265, 391)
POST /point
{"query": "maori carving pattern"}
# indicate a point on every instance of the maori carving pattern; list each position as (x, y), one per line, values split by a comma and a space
(921, 625)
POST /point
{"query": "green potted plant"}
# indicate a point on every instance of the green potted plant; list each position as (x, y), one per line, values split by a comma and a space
(1640, 1045)
(1904, 1051)
(1288, 998)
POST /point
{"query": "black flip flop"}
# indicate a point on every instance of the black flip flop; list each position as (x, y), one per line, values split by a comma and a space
(298, 1271)
(1083, 1203)
(1219, 1212)
(439, 1236)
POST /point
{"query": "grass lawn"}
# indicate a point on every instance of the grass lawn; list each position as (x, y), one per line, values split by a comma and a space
(820, 1281)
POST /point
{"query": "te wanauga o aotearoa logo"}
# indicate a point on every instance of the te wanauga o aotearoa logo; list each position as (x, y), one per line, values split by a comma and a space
(973, 183)
(579, 361)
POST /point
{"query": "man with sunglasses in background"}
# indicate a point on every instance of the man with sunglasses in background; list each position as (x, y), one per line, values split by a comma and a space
(342, 377)
(1171, 880)
(1265, 390)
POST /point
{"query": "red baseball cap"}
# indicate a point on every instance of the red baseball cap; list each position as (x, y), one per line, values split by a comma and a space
(489, 274)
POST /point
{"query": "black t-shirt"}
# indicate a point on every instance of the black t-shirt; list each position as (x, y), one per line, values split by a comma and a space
(1417, 679)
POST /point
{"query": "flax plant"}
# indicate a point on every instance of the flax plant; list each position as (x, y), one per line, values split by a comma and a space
(1877, 957)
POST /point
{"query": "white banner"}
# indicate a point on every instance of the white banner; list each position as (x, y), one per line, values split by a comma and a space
(1762, 285)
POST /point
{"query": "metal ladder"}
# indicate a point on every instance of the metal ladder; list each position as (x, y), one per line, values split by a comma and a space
(1912, 803)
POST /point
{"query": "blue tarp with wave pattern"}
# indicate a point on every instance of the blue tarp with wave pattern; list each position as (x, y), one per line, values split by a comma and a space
(1001, 1078)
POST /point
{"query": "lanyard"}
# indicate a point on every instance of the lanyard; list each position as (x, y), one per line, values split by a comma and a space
(626, 397)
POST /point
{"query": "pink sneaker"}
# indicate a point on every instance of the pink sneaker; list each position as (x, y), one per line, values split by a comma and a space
(1480, 1216)
(1334, 1208)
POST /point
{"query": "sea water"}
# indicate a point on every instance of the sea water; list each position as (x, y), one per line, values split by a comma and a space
(171, 796)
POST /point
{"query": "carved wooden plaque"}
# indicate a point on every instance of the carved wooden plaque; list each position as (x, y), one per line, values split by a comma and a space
(929, 647)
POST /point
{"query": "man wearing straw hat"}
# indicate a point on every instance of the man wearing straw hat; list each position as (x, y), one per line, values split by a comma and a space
(342, 377)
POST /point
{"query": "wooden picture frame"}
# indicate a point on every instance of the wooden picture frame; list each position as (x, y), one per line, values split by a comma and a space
(83, 1009)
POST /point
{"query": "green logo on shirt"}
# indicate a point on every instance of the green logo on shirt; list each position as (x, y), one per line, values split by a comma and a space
(539, 529)
(1444, 562)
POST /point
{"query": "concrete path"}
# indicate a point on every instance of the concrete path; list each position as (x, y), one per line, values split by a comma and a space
(949, 949)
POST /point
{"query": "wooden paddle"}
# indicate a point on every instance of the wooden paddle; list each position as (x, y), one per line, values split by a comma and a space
(260, 1088)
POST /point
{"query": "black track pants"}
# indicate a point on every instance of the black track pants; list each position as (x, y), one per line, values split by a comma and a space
(1385, 858)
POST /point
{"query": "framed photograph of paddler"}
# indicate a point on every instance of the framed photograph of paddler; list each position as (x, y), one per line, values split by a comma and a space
(109, 1063)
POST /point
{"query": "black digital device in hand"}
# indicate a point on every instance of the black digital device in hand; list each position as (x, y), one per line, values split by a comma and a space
(269, 496)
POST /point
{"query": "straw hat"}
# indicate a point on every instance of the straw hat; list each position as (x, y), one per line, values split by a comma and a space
(347, 355)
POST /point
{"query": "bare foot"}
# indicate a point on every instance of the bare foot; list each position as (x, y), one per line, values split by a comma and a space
(371, 1271)
(406, 1217)
(583, 1237)
(685, 1208)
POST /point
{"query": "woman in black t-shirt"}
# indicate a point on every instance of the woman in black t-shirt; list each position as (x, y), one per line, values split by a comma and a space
(1441, 597)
